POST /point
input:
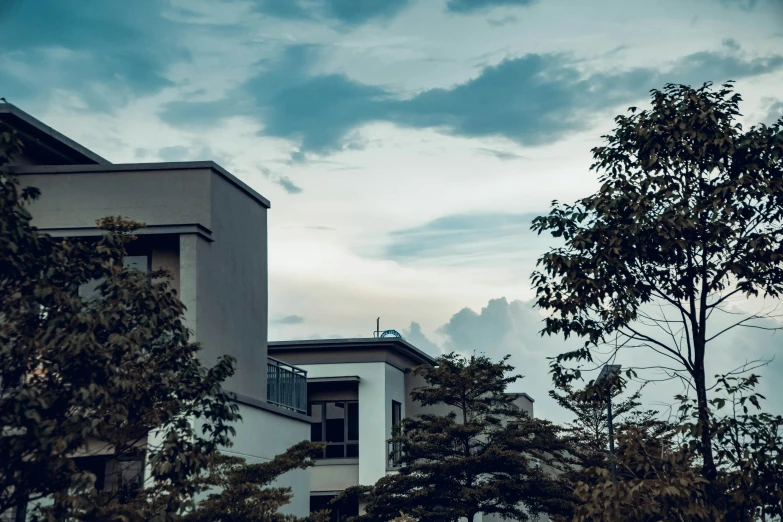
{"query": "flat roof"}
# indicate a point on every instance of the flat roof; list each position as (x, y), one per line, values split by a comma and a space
(521, 394)
(139, 167)
(346, 378)
(389, 343)
(50, 142)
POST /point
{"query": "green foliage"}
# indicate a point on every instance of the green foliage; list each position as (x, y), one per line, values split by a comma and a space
(110, 370)
(659, 474)
(242, 492)
(689, 214)
(482, 455)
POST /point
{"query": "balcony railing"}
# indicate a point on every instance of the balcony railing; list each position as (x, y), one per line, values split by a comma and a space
(286, 386)
(394, 451)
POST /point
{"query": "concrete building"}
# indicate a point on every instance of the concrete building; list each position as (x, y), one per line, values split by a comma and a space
(357, 390)
(209, 230)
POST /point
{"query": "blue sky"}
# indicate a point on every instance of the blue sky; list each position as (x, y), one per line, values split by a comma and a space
(405, 144)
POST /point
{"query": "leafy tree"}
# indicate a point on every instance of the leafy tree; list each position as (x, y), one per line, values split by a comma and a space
(588, 431)
(660, 477)
(485, 456)
(241, 491)
(688, 218)
(117, 369)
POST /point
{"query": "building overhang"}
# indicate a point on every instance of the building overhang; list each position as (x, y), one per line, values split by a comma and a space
(42, 142)
(111, 168)
(392, 350)
(327, 380)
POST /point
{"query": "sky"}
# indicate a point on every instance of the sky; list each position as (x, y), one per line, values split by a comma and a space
(405, 145)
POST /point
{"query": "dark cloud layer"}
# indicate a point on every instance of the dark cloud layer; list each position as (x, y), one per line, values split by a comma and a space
(104, 51)
(532, 99)
(471, 6)
(347, 12)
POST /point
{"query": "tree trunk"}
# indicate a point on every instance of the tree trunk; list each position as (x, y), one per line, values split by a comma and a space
(708, 470)
(472, 516)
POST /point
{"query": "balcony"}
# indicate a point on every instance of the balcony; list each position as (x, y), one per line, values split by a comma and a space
(286, 386)
(394, 452)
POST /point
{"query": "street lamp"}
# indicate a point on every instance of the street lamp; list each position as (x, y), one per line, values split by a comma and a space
(608, 373)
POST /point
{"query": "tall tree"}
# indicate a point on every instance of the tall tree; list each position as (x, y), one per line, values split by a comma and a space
(659, 477)
(688, 218)
(485, 455)
(117, 369)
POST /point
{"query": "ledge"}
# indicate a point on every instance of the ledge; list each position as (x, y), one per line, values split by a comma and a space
(197, 229)
(347, 378)
(138, 167)
(337, 462)
(271, 408)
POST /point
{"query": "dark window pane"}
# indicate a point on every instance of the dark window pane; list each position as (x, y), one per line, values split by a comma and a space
(335, 422)
(335, 451)
(353, 421)
(396, 413)
(352, 450)
(316, 428)
(136, 262)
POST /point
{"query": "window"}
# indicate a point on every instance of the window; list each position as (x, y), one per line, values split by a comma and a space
(337, 424)
(337, 513)
(89, 290)
(122, 474)
(396, 413)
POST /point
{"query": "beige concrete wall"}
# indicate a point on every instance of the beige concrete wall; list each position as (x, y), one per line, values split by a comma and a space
(334, 476)
(231, 287)
(155, 197)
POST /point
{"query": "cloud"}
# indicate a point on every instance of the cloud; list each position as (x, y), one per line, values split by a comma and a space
(291, 319)
(288, 185)
(416, 337)
(176, 153)
(500, 154)
(533, 99)
(510, 19)
(284, 181)
(105, 53)
(471, 6)
(512, 327)
(349, 13)
(774, 112)
(460, 238)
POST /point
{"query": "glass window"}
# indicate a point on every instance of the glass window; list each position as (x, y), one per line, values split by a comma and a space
(396, 413)
(316, 429)
(352, 450)
(89, 289)
(337, 424)
(353, 421)
(137, 262)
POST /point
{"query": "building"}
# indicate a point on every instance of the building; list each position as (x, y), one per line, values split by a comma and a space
(210, 231)
(357, 390)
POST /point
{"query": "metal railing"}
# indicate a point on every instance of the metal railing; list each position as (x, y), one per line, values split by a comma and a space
(286, 386)
(394, 450)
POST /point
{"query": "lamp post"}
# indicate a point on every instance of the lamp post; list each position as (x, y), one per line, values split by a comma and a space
(608, 373)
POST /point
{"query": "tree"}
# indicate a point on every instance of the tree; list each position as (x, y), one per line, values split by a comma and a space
(241, 491)
(117, 369)
(659, 478)
(689, 216)
(588, 431)
(485, 455)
